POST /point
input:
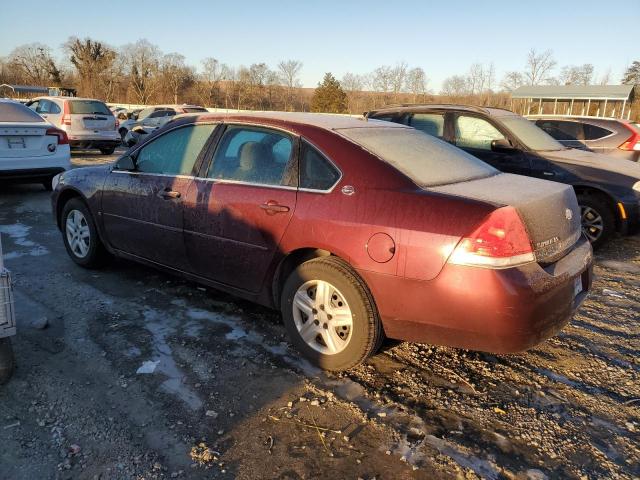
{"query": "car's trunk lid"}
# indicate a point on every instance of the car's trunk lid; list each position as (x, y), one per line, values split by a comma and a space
(24, 139)
(549, 210)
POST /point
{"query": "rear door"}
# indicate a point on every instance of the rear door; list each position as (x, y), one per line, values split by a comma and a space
(143, 209)
(238, 210)
(90, 117)
(475, 134)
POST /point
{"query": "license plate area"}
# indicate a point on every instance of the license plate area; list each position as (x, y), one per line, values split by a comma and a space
(16, 143)
(577, 286)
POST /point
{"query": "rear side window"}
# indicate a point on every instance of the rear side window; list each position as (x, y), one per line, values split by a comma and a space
(474, 132)
(594, 132)
(175, 152)
(424, 159)
(16, 112)
(429, 123)
(561, 130)
(253, 155)
(316, 172)
(46, 106)
(194, 109)
(89, 107)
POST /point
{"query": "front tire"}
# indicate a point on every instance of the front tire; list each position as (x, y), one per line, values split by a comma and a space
(598, 221)
(81, 236)
(330, 314)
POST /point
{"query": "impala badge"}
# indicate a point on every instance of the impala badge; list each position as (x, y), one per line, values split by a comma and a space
(568, 213)
(348, 190)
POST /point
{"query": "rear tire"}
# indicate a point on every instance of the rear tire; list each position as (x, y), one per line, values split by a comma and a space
(598, 220)
(330, 315)
(80, 235)
(108, 151)
(7, 360)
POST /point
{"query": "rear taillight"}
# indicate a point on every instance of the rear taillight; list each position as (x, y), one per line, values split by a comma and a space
(633, 142)
(61, 134)
(117, 123)
(66, 114)
(501, 241)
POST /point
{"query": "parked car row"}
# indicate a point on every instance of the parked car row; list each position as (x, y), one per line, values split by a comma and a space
(607, 188)
(355, 229)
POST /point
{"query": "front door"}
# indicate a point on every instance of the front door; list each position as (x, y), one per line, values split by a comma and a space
(143, 209)
(238, 211)
(475, 135)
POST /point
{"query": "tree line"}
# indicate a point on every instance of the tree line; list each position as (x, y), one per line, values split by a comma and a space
(140, 73)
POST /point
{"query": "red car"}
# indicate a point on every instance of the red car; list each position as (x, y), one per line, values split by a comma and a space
(356, 230)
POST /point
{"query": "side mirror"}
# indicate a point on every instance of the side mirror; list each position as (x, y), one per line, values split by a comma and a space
(502, 145)
(125, 163)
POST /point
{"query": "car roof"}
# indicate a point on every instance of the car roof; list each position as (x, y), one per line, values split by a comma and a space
(326, 121)
(585, 118)
(72, 99)
(417, 108)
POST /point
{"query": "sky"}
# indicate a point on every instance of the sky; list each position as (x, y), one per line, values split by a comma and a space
(442, 37)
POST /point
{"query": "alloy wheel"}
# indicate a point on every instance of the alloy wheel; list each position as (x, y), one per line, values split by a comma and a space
(323, 317)
(592, 223)
(78, 233)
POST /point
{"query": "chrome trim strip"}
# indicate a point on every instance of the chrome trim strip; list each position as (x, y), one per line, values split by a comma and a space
(153, 174)
(223, 239)
(144, 222)
(240, 182)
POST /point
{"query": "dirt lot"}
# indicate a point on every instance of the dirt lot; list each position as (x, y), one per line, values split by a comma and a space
(227, 398)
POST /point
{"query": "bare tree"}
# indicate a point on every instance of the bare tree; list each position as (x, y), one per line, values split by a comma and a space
(576, 74)
(539, 67)
(34, 64)
(209, 86)
(398, 78)
(90, 58)
(416, 83)
(175, 74)
(512, 80)
(142, 60)
(455, 86)
(289, 73)
(605, 78)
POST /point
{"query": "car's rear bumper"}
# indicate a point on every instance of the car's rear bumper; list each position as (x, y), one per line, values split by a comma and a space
(35, 168)
(105, 139)
(500, 311)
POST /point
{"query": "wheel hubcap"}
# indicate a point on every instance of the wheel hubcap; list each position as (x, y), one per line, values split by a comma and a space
(323, 317)
(592, 223)
(78, 234)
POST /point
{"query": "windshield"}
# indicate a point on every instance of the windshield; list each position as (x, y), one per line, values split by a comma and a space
(423, 158)
(15, 112)
(533, 137)
(89, 106)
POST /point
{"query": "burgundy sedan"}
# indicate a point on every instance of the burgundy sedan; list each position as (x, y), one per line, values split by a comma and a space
(356, 230)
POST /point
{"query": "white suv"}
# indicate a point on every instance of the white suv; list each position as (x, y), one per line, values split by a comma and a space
(31, 150)
(89, 123)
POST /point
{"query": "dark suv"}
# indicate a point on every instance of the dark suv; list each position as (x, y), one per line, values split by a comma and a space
(608, 190)
(611, 136)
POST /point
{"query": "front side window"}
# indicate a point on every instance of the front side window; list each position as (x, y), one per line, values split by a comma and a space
(429, 123)
(316, 172)
(474, 132)
(175, 152)
(254, 155)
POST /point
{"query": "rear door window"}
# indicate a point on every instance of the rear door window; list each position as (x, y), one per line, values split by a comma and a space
(254, 155)
(429, 123)
(594, 132)
(88, 107)
(175, 152)
(475, 132)
(316, 172)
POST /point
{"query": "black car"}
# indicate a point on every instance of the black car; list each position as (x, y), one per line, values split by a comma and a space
(611, 136)
(608, 190)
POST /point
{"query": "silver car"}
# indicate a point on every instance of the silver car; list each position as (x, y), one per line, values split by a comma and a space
(89, 123)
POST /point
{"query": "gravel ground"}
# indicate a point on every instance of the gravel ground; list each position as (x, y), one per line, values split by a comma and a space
(226, 397)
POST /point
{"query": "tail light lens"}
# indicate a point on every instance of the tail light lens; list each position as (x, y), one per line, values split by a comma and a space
(117, 123)
(501, 241)
(61, 134)
(66, 114)
(633, 142)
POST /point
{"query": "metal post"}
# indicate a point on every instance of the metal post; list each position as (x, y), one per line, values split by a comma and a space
(540, 107)
(604, 113)
(588, 106)
(529, 106)
(624, 105)
(571, 108)
(555, 105)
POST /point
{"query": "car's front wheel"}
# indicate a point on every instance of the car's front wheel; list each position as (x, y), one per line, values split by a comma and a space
(598, 221)
(80, 235)
(330, 314)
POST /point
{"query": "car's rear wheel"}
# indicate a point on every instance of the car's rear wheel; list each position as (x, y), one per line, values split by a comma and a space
(108, 150)
(598, 222)
(80, 235)
(330, 314)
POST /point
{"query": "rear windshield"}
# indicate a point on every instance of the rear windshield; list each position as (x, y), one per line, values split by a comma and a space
(533, 137)
(194, 109)
(16, 112)
(423, 158)
(89, 106)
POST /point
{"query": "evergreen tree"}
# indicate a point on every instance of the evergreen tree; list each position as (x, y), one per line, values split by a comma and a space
(329, 97)
(632, 75)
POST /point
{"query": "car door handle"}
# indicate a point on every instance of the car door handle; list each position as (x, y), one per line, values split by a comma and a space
(271, 208)
(169, 194)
